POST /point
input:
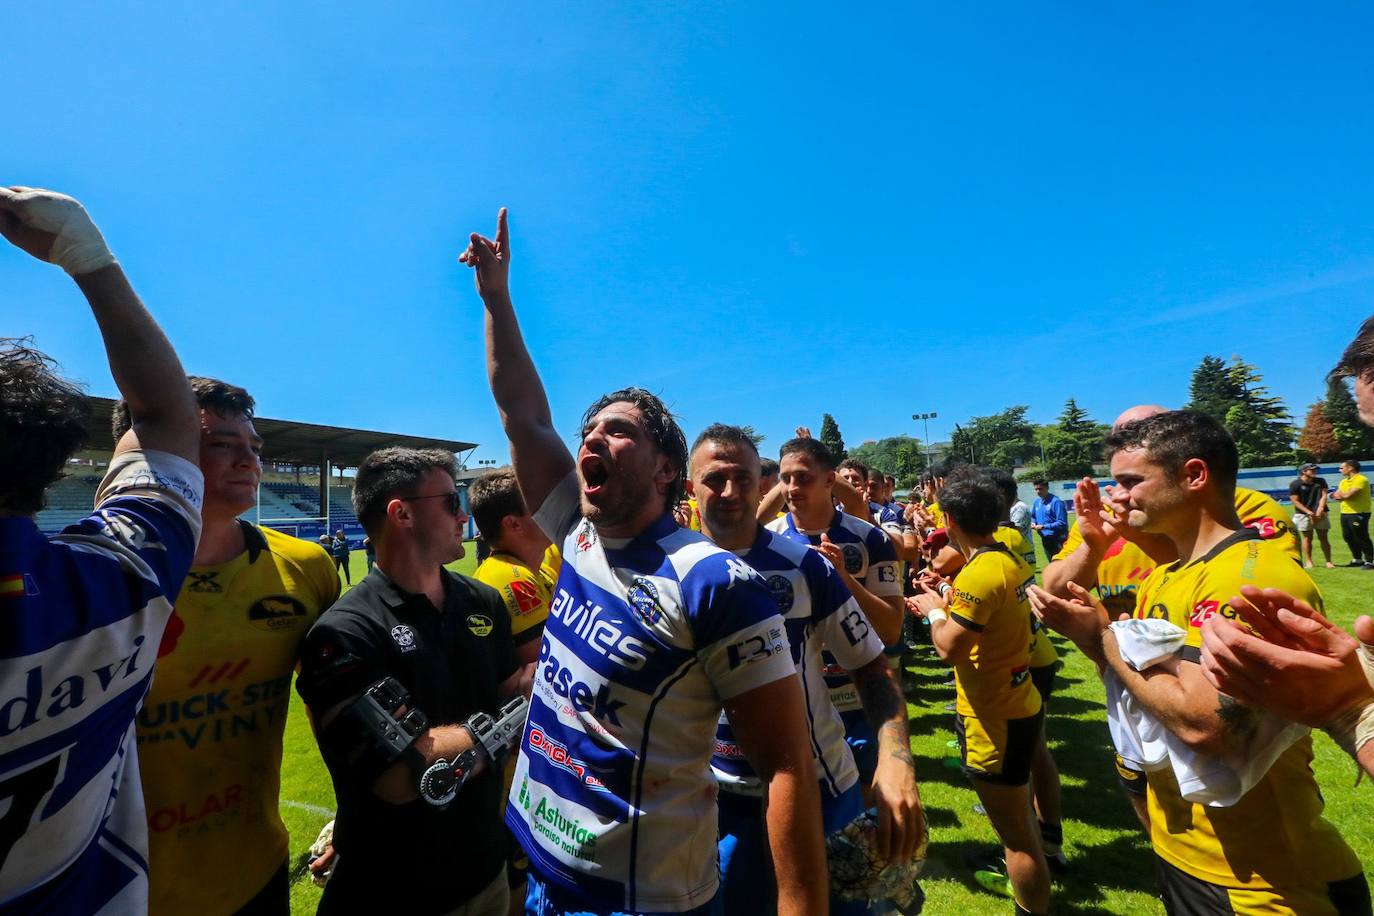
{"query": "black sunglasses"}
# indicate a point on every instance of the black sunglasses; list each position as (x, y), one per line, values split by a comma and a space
(454, 505)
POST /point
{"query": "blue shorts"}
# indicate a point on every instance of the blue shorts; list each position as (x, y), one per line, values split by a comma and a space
(746, 884)
(543, 900)
(858, 734)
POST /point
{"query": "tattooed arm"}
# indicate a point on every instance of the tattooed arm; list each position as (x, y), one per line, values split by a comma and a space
(901, 821)
(1179, 697)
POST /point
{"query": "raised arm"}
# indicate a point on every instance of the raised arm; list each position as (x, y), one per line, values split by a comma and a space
(55, 228)
(540, 458)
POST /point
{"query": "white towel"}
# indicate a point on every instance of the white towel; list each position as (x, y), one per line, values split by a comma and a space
(1215, 781)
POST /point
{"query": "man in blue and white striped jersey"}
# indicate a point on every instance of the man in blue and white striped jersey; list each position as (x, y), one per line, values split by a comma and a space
(652, 630)
(82, 614)
(818, 611)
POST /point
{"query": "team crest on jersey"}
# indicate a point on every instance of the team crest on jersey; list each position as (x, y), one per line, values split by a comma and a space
(276, 612)
(853, 558)
(1157, 611)
(586, 537)
(643, 597)
(404, 637)
(780, 587)
(203, 583)
(479, 624)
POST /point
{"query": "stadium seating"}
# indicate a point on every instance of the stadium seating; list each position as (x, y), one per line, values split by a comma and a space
(69, 501)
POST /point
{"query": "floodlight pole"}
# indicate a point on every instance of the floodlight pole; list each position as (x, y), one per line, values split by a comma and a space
(925, 418)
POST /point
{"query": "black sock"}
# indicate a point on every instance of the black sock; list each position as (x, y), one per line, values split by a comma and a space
(1052, 838)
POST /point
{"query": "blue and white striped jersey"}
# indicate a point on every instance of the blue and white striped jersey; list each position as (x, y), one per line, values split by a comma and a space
(81, 619)
(613, 796)
(818, 611)
(871, 559)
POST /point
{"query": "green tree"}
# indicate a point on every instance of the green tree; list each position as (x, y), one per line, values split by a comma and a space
(1354, 438)
(1259, 422)
(1002, 440)
(900, 456)
(754, 435)
(1213, 388)
(1072, 446)
(831, 438)
(1318, 440)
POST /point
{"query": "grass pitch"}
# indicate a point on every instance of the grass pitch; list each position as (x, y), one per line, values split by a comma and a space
(1110, 860)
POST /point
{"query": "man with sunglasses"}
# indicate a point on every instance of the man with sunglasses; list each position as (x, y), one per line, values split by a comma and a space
(405, 677)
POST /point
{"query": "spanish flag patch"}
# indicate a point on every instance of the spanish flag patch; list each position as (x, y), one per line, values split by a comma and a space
(13, 586)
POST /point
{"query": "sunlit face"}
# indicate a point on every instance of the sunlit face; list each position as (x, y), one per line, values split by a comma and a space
(231, 460)
(877, 490)
(1146, 494)
(1042, 490)
(806, 482)
(618, 466)
(1364, 399)
(725, 482)
(435, 529)
(856, 480)
(1347, 468)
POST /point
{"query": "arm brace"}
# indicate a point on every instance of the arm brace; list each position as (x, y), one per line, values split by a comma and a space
(368, 736)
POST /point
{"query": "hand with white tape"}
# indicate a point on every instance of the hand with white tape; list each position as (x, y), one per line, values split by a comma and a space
(54, 228)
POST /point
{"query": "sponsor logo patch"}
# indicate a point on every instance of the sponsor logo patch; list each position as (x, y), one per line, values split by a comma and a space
(404, 637)
(780, 587)
(853, 558)
(203, 583)
(276, 612)
(479, 624)
(643, 598)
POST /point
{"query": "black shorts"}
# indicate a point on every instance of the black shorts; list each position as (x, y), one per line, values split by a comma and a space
(1186, 895)
(1131, 779)
(273, 900)
(999, 750)
(1043, 679)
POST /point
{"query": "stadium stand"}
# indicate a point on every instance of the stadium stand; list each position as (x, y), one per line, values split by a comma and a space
(291, 507)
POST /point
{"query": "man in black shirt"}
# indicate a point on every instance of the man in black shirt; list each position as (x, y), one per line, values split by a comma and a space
(1308, 494)
(444, 642)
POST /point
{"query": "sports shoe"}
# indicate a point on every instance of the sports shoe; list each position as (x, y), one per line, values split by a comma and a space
(1357, 563)
(979, 810)
(994, 882)
(989, 859)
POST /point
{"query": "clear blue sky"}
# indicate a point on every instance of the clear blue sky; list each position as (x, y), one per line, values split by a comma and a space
(763, 211)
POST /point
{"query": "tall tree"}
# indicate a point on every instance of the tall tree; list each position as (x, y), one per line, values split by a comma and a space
(831, 438)
(1260, 422)
(900, 456)
(754, 435)
(1213, 388)
(1318, 439)
(1002, 440)
(1073, 445)
(1356, 440)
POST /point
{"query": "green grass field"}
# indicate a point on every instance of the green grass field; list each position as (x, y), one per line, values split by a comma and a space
(1110, 858)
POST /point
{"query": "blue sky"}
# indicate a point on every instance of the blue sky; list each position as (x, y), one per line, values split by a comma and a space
(763, 211)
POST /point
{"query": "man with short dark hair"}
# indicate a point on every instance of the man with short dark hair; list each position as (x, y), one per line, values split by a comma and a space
(981, 625)
(1270, 851)
(818, 612)
(341, 551)
(1353, 495)
(1050, 518)
(653, 631)
(235, 637)
(395, 675)
(1308, 495)
(84, 611)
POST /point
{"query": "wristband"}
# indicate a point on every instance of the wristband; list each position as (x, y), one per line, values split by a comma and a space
(1352, 729)
(935, 614)
(945, 589)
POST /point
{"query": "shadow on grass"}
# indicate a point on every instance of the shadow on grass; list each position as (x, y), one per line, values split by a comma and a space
(1116, 867)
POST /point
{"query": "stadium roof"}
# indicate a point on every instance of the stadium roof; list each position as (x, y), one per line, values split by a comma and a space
(288, 441)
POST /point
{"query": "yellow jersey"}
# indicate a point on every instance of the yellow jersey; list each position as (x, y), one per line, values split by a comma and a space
(1043, 651)
(937, 515)
(210, 733)
(1354, 492)
(989, 598)
(526, 592)
(1275, 835)
(1126, 566)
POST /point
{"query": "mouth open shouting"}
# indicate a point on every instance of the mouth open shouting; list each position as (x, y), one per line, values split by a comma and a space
(595, 476)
